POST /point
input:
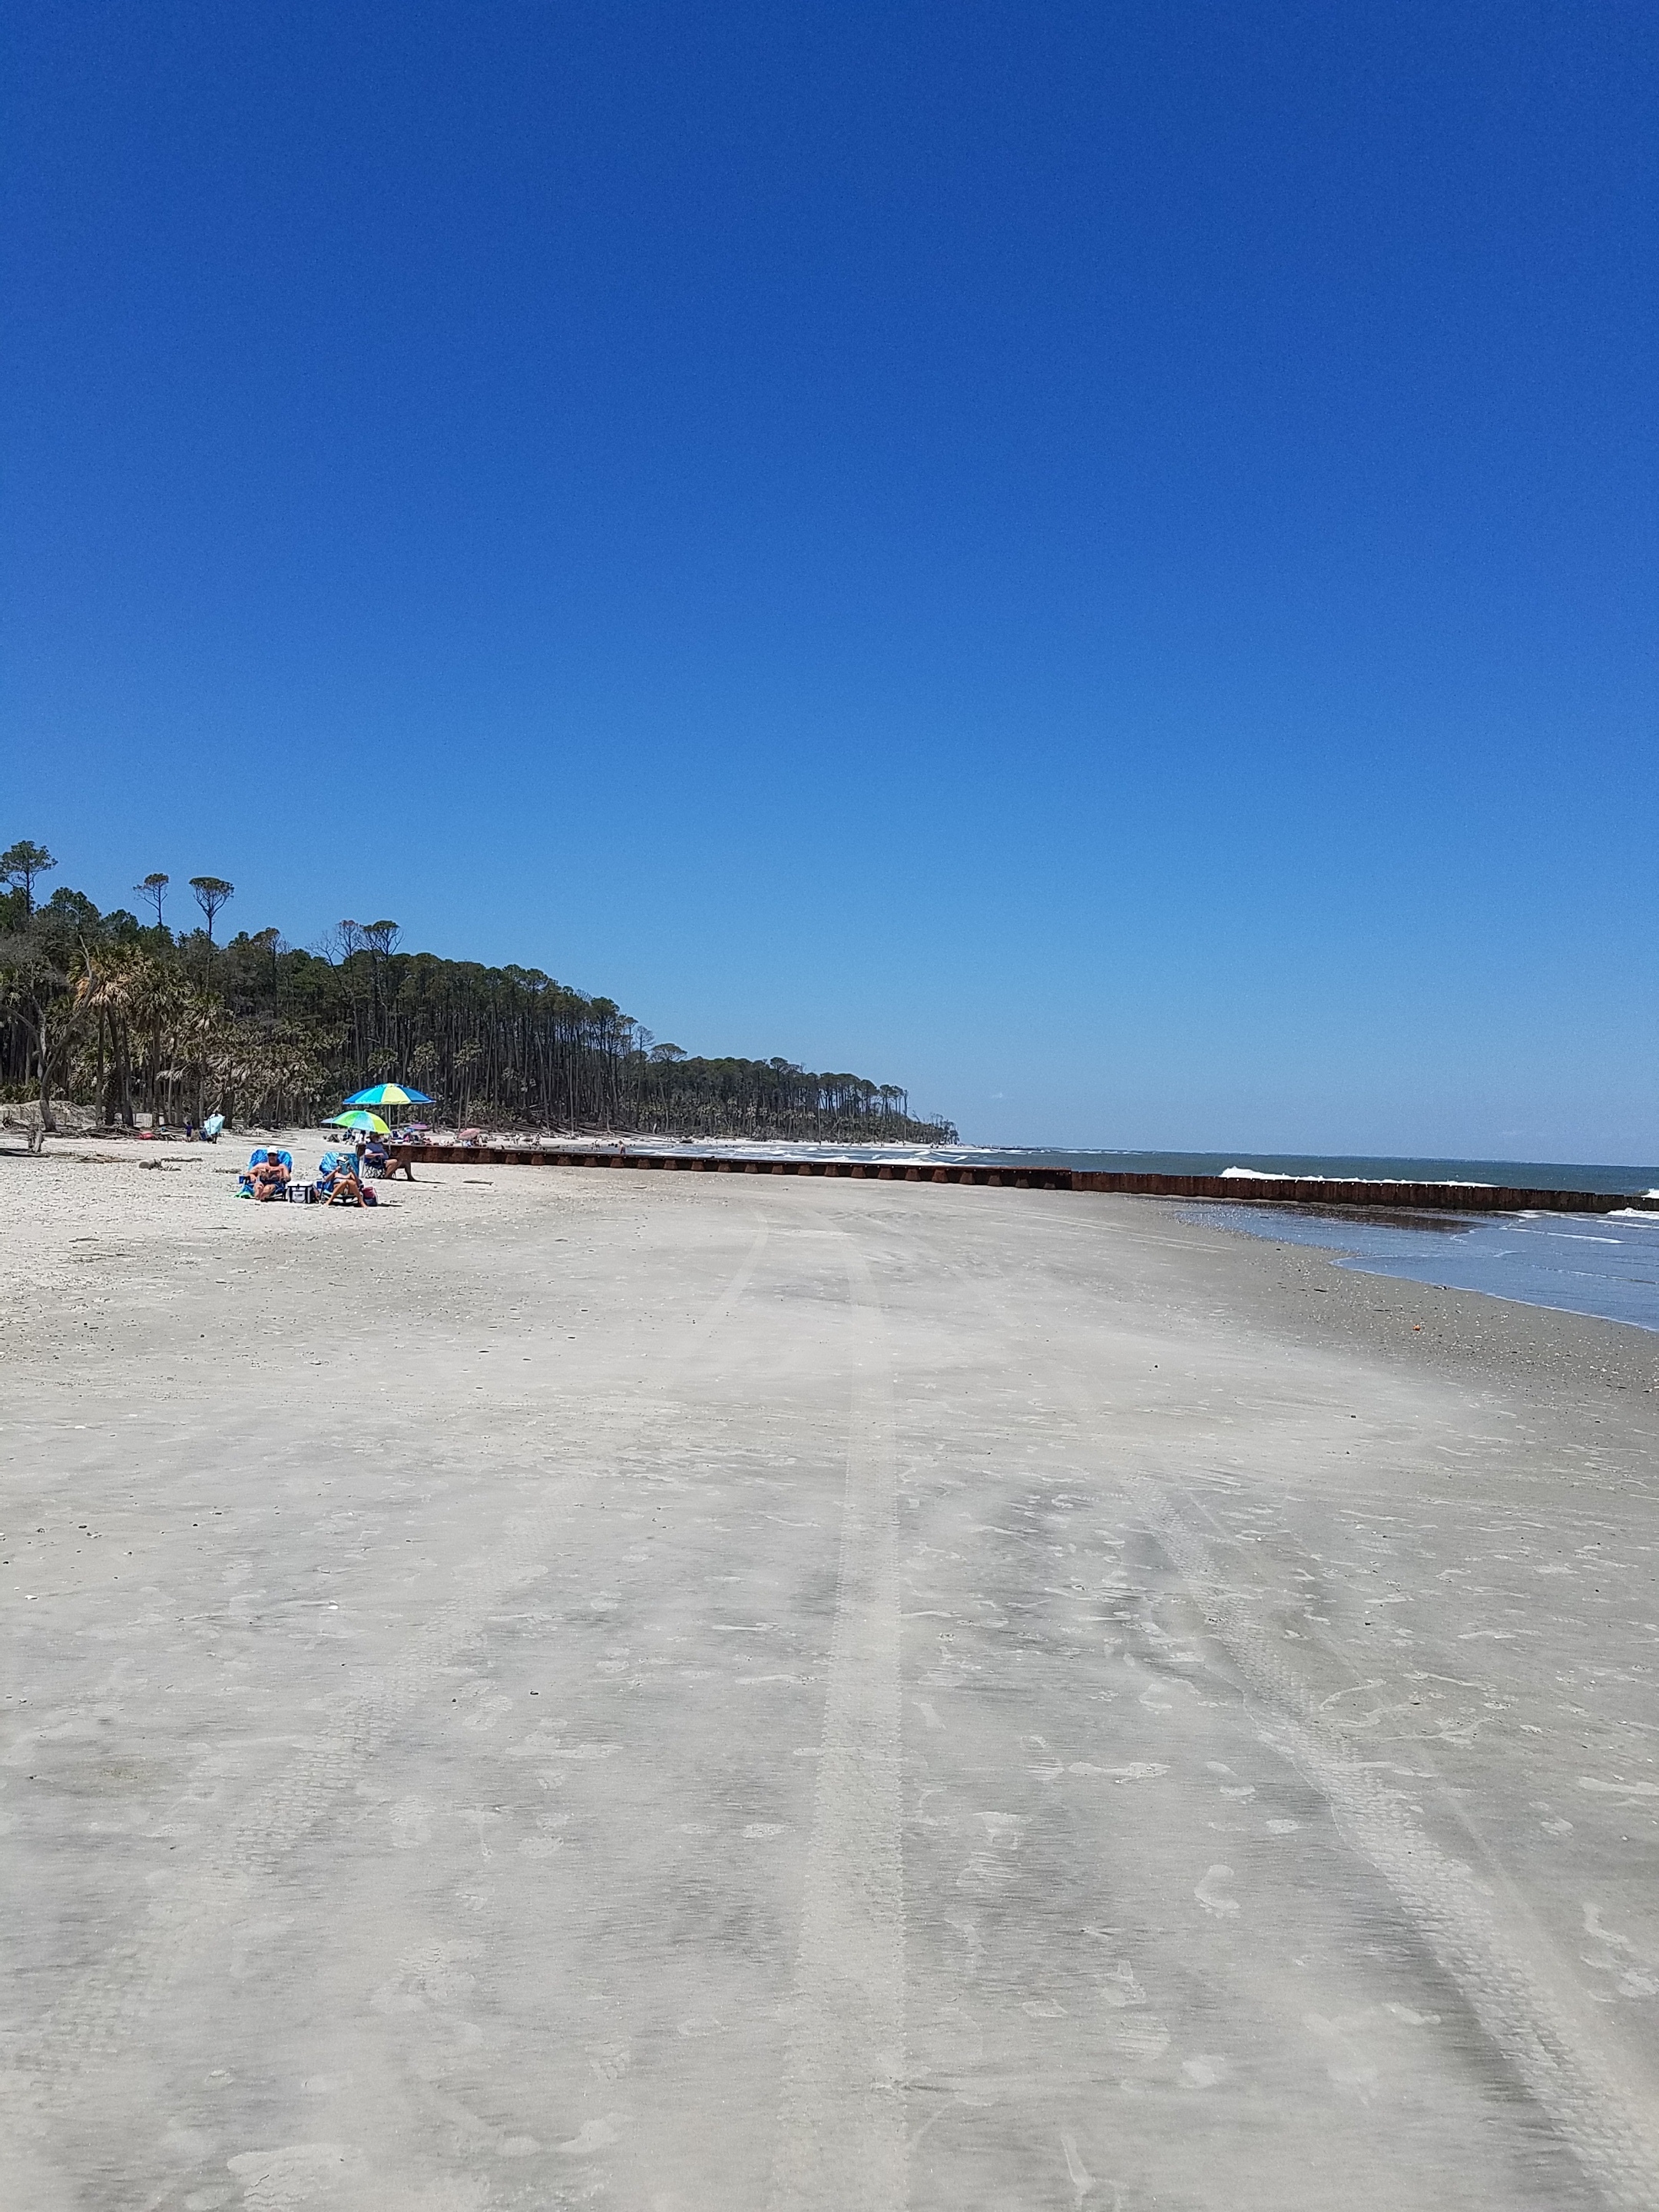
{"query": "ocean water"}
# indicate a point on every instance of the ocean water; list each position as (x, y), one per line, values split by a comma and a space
(1606, 1264)
(1593, 1263)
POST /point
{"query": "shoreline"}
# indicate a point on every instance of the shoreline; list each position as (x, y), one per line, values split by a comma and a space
(227, 1158)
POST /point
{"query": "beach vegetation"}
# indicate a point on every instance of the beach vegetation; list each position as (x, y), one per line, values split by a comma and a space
(154, 889)
(141, 1025)
(20, 866)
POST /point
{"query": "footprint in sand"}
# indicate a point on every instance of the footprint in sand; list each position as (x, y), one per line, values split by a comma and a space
(1208, 1892)
(1082, 2180)
(984, 1874)
(1123, 1988)
(1202, 2073)
(597, 2135)
(298, 2174)
(1137, 2042)
(430, 1974)
(410, 1822)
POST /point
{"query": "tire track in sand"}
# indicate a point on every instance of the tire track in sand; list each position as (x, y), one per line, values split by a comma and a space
(1553, 2052)
(102, 2009)
(841, 2142)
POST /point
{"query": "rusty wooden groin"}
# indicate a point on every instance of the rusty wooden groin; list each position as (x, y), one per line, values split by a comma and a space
(1300, 1190)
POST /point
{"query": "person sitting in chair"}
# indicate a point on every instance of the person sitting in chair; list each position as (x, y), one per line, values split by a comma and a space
(270, 1178)
(374, 1157)
(344, 1189)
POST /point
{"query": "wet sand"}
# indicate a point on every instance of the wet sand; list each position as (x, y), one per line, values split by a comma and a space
(672, 1692)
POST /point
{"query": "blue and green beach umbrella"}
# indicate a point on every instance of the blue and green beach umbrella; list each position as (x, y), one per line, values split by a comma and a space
(359, 1120)
(389, 1094)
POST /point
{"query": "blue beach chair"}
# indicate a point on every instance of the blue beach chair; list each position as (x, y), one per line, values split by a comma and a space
(257, 1158)
(343, 1162)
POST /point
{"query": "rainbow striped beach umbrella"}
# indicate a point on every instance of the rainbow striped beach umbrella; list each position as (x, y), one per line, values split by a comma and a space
(389, 1094)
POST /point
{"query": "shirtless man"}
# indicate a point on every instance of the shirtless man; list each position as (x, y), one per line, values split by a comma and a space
(270, 1178)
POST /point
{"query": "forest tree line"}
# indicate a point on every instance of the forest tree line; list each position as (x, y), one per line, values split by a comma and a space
(147, 1025)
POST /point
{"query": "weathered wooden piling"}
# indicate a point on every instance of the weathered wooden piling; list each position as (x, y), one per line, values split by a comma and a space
(1239, 1190)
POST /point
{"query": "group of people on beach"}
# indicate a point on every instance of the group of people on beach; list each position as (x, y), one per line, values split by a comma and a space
(343, 1178)
(337, 1182)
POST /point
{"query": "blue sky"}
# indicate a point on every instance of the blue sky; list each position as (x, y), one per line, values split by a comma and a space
(1099, 561)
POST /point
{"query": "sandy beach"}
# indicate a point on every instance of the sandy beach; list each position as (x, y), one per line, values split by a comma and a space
(682, 1692)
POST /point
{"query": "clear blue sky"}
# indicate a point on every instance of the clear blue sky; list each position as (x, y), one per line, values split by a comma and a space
(1101, 561)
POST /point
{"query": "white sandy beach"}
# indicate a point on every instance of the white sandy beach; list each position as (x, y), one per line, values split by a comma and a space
(688, 1693)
